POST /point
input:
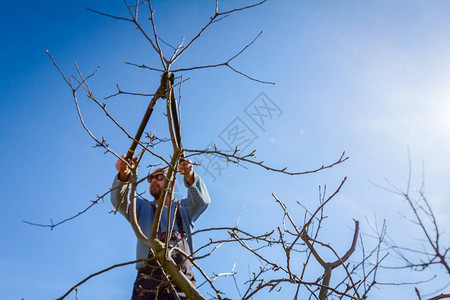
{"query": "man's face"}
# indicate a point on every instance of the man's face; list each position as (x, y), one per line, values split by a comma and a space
(156, 180)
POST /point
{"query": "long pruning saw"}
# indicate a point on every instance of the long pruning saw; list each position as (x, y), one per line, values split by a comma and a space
(160, 93)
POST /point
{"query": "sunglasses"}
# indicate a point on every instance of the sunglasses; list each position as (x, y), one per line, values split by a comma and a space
(158, 177)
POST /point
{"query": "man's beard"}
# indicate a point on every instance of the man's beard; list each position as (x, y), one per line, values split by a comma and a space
(157, 190)
(156, 193)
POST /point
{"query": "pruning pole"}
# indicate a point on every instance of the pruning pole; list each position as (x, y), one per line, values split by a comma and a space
(160, 93)
(176, 122)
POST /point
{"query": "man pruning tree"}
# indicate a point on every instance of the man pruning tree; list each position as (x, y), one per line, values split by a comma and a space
(151, 282)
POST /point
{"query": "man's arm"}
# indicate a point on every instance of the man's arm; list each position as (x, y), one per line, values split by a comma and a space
(120, 194)
(198, 197)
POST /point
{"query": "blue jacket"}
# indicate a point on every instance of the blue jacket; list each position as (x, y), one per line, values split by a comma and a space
(190, 210)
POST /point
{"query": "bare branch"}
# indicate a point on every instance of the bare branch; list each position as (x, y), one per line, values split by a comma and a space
(143, 66)
(108, 15)
(158, 47)
(234, 158)
(120, 92)
(227, 64)
(100, 272)
(324, 203)
(211, 21)
(441, 296)
(53, 225)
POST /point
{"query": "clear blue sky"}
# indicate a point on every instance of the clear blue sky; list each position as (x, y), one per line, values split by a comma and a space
(369, 78)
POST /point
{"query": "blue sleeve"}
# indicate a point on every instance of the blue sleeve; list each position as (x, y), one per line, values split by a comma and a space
(198, 197)
(120, 197)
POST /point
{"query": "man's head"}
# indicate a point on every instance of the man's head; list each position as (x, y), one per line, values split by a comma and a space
(156, 180)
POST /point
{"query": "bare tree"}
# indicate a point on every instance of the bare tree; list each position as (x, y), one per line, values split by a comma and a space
(298, 242)
(429, 252)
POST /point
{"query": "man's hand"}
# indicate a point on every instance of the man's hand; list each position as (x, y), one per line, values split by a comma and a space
(124, 170)
(186, 168)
